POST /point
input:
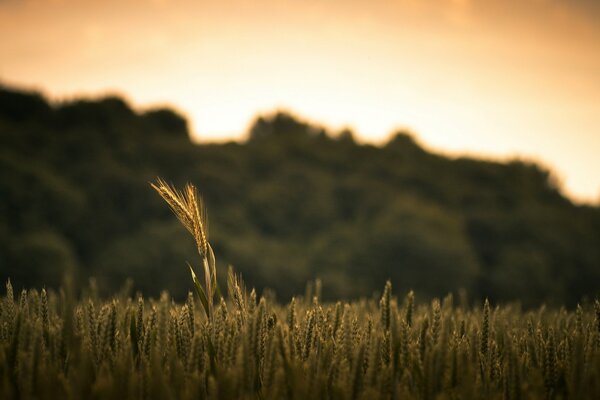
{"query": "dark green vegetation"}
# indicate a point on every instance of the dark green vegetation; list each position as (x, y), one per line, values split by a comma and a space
(52, 347)
(292, 203)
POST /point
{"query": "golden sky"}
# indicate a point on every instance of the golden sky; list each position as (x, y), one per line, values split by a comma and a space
(493, 78)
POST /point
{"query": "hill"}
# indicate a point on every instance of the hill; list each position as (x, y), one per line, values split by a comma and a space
(291, 203)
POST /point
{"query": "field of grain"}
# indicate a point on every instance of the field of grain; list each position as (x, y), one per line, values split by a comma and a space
(55, 347)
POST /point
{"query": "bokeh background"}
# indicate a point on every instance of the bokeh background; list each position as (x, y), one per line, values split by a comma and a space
(445, 144)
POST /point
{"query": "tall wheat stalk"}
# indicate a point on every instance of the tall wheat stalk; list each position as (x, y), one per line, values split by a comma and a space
(189, 209)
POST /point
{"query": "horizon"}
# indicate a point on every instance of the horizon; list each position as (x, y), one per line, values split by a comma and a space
(242, 137)
(490, 79)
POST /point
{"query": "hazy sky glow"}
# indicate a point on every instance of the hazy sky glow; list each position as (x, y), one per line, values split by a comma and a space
(497, 78)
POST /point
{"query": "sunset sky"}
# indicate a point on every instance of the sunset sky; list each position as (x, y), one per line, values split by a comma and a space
(492, 78)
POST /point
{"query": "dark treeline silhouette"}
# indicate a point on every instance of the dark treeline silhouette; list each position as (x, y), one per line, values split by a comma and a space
(292, 203)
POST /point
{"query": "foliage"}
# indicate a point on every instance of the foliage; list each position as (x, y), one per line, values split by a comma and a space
(291, 203)
(52, 346)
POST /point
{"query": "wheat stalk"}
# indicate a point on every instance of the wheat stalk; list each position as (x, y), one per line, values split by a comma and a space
(189, 208)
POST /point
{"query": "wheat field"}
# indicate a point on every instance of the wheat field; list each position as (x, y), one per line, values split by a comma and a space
(53, 347)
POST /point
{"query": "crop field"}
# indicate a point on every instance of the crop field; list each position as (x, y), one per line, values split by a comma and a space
(52, 347)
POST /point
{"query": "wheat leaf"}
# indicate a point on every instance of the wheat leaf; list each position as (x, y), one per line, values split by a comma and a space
(200, 291)
(213, 271)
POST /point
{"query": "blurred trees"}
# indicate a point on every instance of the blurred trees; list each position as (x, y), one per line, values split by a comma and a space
(292, 203)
